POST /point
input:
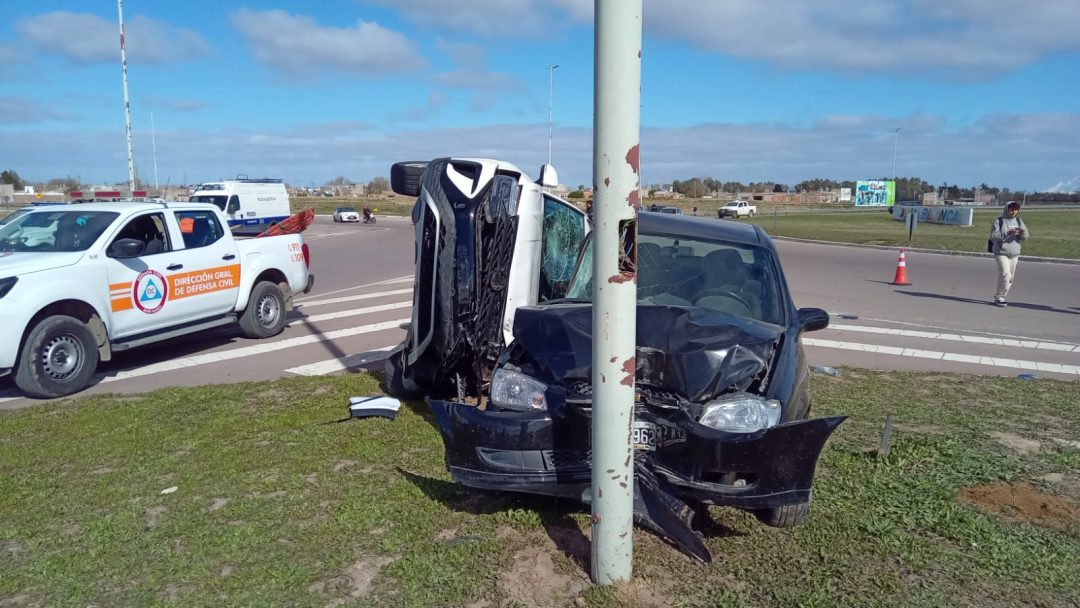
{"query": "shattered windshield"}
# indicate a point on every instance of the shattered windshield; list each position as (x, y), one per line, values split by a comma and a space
(51, 231)
(725, 277)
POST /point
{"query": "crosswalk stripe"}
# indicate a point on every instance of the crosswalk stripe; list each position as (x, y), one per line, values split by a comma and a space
(363, 296)
(322, 368)
(352, 312)
(943, 356)
(909, 333)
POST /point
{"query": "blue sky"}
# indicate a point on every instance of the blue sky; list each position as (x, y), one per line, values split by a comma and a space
(747, 90)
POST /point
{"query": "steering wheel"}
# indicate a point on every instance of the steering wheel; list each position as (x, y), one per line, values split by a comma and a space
(720, 291)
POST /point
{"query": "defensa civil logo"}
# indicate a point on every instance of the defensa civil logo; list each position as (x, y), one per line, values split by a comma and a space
(150, 291)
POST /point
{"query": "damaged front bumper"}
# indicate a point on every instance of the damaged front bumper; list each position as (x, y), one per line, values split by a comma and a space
(540, 453)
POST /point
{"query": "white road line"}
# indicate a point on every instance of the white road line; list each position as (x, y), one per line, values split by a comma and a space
(942, 356)
(330, 366)
(984, 333)
(352, 312)
(251, 351)
(908, 333)
(363, 296)
(407, 278)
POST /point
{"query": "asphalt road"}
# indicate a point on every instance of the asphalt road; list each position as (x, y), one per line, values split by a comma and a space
(942, 322)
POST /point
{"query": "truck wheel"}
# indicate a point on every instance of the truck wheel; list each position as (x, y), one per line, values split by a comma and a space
(751, 214)
(264, 315)
(787, 516)
(58, 358)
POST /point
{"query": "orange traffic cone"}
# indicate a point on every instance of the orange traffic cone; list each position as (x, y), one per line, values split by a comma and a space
(901, 271)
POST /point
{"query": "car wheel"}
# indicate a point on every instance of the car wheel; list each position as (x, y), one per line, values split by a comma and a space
(787, 516)
(264, 315)
(397, 385)
(751, 214)
(58, 358)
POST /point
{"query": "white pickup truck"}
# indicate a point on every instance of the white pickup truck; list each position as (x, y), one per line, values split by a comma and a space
(737, 208)
(78, 282)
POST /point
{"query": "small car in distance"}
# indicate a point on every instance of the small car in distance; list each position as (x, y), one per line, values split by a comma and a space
(346, 214)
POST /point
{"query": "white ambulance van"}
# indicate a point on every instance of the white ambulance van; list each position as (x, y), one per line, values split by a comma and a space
(250, 204)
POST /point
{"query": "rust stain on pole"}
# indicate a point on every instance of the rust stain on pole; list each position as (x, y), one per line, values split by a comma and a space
(607, 181)
(629, 367)
(633, 157)
(620, 278)
(635, 198)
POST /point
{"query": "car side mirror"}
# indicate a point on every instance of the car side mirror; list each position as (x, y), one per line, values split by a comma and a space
(126, 248)
(813, 319)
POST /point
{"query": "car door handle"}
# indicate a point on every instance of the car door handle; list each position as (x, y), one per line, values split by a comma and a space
(228, 256)
(174, 266)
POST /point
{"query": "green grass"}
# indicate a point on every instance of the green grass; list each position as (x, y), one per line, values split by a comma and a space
(1054, 232)
(280, 505)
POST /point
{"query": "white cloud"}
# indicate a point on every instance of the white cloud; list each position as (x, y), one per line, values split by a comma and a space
(473, 73)
(495, 18)
(173, 104)
(299, 47)
(1016, 151)
(1067, 186)
(83, 38)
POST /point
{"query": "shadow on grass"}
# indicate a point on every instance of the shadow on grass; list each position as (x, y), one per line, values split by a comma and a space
(938, 296)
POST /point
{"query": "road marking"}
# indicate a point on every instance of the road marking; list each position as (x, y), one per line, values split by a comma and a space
(352, 312)
(908, 333)
(364, 296)
(970, 331)
(322, 368)
(407, 278)
(942, 356)
(251, 351)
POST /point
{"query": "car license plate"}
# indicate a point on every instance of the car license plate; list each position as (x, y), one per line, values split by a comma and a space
(648, 436)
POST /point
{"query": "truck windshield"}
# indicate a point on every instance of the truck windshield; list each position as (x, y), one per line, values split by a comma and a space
(724, 277)
(51, 231)
(205, 198)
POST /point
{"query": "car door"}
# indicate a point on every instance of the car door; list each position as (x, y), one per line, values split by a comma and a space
(207, 283)
(139, 289)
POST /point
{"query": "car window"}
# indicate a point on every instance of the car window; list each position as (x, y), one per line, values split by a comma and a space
(46, 231)
(149, 229)
(722, 277)
(564, 231)
(199, 228)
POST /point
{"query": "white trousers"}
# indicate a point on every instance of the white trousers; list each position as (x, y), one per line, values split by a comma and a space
(1006, 272)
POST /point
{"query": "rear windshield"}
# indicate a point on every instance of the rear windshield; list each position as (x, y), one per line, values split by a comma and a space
(52, 231)
(205, 198)
(736, 279)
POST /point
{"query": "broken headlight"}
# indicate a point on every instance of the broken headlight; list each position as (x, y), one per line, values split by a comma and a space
(514, 391)
(740, 413)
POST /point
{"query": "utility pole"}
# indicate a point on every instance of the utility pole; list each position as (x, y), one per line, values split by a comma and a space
(616, 165)
(896, 139)
(551, 93)
(127, 103)
(153, 143)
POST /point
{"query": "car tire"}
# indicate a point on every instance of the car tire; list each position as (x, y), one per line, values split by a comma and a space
(264, 315)
(58, 358)
(751, 214)
(787, 516)
(396, 384)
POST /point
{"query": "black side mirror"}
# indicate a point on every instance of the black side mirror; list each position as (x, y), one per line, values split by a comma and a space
(126, 248)
(813, 319)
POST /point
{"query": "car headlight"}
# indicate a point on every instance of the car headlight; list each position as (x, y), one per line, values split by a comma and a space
(7, 284)
(514, 391)
(741, 413)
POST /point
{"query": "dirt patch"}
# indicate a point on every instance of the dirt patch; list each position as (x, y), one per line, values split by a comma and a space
(1021, 502)
(534, 581)
(154, 515)
(1020, 445)
(216, 504)
(343, 465)
(13, 549)
(353, 583)
(640, 593)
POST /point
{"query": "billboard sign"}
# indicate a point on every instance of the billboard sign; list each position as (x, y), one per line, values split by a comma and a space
(875, 193)
(845, 195)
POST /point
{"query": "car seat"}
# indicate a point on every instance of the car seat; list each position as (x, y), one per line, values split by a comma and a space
(724, 286)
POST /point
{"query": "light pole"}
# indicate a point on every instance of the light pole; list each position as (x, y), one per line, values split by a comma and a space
(896, 138)
(551, 91)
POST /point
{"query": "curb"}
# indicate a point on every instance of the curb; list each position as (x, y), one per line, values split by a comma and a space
(970, 254)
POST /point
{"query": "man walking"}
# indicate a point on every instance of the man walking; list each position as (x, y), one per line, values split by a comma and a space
(1006, 235)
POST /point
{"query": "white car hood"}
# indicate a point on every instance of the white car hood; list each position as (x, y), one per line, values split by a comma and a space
(18, 264)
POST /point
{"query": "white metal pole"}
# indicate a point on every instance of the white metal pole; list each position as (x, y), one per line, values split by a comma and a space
(896, 138)
(153, 143)
(127, 103)
(616, 139)
(551, 93)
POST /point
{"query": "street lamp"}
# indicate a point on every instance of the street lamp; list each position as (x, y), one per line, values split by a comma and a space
(551, 90)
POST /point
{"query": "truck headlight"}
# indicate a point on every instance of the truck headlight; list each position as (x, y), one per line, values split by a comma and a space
(7, 284)
(514, 391)
(741, 413)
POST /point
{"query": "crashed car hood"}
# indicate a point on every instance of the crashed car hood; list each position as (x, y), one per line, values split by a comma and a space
(694, 352)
